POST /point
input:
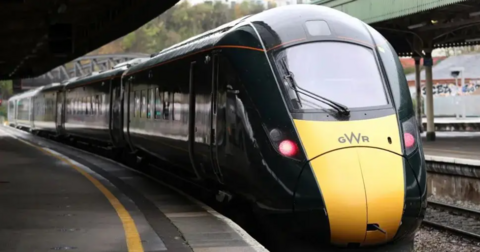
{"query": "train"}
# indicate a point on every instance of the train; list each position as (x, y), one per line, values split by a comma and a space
(303, 111)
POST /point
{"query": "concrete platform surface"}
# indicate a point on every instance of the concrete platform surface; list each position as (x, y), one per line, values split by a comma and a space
(55, 197)
(458, 145)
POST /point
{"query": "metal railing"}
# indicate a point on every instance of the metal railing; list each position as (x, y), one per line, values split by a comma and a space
(80, 66)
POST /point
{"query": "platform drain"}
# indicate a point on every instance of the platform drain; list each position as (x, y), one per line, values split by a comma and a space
(63, 248)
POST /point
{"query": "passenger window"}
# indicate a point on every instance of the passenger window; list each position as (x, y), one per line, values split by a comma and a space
(149, 100)
(87, 104)
(144, 103)
(97, 104)
(177, 106)
(158, 103)
(166, 105)
(102, 104)
(92, 108)
(136, 94)
(92, 105)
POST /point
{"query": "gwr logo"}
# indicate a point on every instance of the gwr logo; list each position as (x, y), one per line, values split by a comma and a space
(352, 138)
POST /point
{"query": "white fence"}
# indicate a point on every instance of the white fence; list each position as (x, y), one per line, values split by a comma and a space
(453, 106)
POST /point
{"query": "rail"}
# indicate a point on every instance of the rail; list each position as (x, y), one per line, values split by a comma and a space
(453, 219)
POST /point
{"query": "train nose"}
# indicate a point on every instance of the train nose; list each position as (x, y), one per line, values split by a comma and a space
(363, 191)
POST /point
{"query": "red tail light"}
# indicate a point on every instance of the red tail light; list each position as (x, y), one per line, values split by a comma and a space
(409, 140)
(288, 148)
(410, 135)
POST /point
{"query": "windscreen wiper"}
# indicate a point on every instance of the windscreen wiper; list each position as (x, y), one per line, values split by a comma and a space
(340, 108)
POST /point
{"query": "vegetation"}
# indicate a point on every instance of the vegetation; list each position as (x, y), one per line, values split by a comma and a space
(5, 92)
(177, 24)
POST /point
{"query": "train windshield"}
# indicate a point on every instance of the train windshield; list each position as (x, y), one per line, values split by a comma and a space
(345, 74)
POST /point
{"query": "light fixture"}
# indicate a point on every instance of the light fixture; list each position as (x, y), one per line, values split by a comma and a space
(474, 14)
(415, 26)
(472, 40)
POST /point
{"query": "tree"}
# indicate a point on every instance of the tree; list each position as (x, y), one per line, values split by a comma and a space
(179, 23)
(6, 92)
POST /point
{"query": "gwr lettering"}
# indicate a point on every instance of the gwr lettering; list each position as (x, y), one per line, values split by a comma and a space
(357, 138)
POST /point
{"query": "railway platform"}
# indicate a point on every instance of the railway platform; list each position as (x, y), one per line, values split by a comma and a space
(55, 197)
(454, 153)
(459, 145)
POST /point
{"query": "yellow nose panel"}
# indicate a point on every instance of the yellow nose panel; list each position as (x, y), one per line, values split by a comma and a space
(360, 175)
(319, 136)
(385, 192)
(340, 178)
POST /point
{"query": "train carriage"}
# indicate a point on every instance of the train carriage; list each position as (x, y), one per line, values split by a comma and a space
(88, 105)
(303, 110)
(23, 108)
(47, 108)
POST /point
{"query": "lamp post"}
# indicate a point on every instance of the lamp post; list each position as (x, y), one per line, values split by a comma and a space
(455, 72)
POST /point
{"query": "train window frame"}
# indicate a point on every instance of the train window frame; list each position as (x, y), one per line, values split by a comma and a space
(284, 91)
(68, 106)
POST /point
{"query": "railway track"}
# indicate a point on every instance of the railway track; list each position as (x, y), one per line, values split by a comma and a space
(458, 220)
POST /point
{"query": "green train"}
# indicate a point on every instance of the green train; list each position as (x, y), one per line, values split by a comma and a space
(303, 111)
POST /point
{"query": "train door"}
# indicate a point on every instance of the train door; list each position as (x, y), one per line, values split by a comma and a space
(217, 119)
(192, 127)
(116, 120)
(30, 112)
(129, 110)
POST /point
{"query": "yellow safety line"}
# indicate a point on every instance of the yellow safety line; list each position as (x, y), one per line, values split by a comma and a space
(134, 242)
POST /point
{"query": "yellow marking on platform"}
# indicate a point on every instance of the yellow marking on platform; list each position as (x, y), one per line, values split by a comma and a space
(134, 242)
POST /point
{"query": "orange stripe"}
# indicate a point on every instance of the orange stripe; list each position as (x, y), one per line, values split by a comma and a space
(288, 42)
(355, 40)
(194, 53)
(240, 47)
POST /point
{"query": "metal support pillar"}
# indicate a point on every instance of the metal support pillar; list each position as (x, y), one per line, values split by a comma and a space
(428, 63)
(418, 91)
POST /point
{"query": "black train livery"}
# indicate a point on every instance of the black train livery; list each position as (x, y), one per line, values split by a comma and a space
(303, 110)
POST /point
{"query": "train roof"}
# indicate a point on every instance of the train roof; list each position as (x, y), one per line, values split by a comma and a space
(117, 70)
(193, 44)
(26, 94)
(278, 27)
(52, 87)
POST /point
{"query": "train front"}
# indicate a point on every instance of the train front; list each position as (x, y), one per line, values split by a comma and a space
(353, 114)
